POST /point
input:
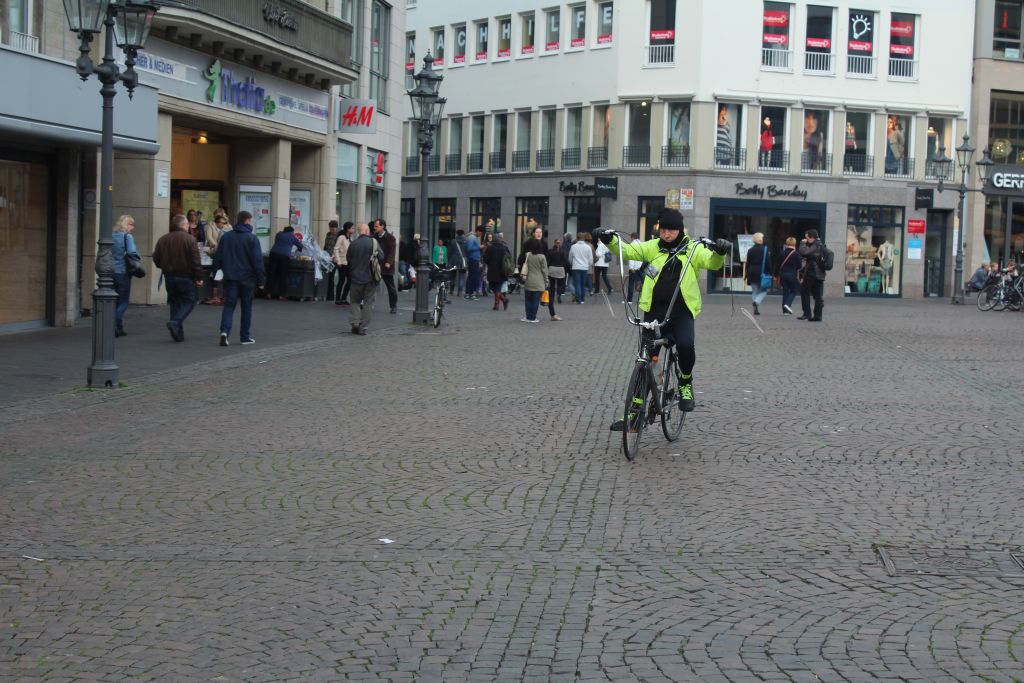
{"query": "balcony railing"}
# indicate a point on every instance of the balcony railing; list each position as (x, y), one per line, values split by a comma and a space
(434, 163)
(899, 168)
(858, 66)
(597, 157)
(734, 159)
(858, 163)
(819, 63)
(776, 60)
(934, 171)
(499, 160)
(545, 159)
(636, 156)
(661, 55)
(453, 163)
(412, 165)
(24, 42)
(475, 162)
(903, 69)
(775, 161)
(521, 160)
(571, 158)
(816, 164)
(675, 156)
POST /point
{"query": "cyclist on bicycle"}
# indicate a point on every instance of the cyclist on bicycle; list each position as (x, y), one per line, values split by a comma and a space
(663, 259)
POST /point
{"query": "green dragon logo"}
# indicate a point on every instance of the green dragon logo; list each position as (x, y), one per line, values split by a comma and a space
(212, 74)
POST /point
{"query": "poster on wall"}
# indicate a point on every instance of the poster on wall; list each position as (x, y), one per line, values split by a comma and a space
(744, 243)
(686, 199)
(300, 204)
(206, 201)
(257, 202)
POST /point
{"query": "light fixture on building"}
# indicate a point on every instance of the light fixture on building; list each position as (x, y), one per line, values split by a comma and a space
(202, 139)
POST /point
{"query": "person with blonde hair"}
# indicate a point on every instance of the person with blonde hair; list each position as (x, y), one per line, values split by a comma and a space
(123, 243)
(758, 264)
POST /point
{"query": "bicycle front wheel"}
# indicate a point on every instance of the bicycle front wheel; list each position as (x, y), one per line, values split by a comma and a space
(635, 414)
(438, 306)
(987, 298)
(672, 416)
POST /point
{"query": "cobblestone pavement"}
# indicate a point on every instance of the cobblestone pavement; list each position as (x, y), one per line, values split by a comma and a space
(843, 506)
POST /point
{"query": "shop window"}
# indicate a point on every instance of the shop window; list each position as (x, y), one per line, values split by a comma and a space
(1004, 231)
(440, 220)
(552, 30)
(776, 53)
(1006, 128)
(499, 143)
(940, 134)
(729, 152)
(410, 60)
(475, 162)
(482, 30)
(578, 28)
(1006, 29)
(504, 38)
(345, 201)
(771, 141)
(24, 238)
(737, 220)
(661, 32)
(571, 156)
(484, 211)
(528, 211)
(874, 244)
(546, 150)
(897, 145)
(857, 158)
(638, 135)
(453, 162)
(605, 15)
(902, 55)
(647, 210)
(815, 157)
(582, 214)
(407, 220)
(521, 156)
(380, 28)
(860, 43)
(376, 166)
(818, 55)
(677, 137)
(459, 47)
(527, 34)
(439, 46)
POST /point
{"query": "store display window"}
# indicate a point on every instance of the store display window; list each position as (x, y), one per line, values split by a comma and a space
(874, 243)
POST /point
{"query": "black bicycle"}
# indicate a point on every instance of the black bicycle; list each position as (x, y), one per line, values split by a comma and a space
(440, 278)
(653, 389)
(1002, 292)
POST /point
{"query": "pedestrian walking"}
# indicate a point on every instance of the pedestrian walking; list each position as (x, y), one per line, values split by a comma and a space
(493, 262)
(556, 274)
(789, 267)
(457, 254)
(812, 276)
(122, 243)
(364, 280)
(177, 255)
(387, 266)
(240, 259)
(330, 240)
(340, 257)
(758, 264)
(536, 279)
(581, 258)
(280, 261)
(602, 259)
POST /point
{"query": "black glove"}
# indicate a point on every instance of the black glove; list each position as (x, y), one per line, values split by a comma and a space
(603, 234)
(722, 247)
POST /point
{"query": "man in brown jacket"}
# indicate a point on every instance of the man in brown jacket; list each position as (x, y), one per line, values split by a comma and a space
(177, 255)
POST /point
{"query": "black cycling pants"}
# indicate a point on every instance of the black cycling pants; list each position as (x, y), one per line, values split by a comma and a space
(681, 331)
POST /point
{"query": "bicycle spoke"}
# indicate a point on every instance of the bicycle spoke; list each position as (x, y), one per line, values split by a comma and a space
(672, 416)
(635, 413)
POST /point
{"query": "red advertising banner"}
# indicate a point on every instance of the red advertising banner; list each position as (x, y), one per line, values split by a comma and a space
(902, 50)
(481, 56)
(527, 49)
(859, 46)
(551, 47)
(777, 18)
(410, 66)
(577, 42)
(820, 43)
(459, 59)
(664, 34)
(504, 53)
(605, 39)
(903, 29)
(776, 38)
(915, 226)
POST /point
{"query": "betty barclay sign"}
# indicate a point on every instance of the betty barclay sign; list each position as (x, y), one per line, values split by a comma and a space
(770, 191)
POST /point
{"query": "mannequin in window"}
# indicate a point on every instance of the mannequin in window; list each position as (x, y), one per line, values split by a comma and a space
(723, 139)
(814, 141)
(767, 142)
(851, 147)
(885, 260)
(895, 146)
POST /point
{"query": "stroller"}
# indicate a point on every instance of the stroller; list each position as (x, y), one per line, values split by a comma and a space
(514, 283)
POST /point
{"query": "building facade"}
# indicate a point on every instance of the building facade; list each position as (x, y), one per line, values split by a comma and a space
(751, 116)
(239, 105)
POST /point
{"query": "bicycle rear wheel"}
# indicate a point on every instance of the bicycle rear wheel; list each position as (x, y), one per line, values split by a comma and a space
(987, 298)
(635, 414)
(438, 307)
(672, 416)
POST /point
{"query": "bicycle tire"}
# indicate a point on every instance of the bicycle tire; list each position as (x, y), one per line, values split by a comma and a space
(672, 416)
(438, 307)
(999, 300)
(987, 298)
(635, 412)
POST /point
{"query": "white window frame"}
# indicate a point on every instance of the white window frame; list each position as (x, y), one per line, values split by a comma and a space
(599, 7)
(499, 23)
(455, 44)
(548, 13)
(477, 25)
(521, 49)
(577, 43)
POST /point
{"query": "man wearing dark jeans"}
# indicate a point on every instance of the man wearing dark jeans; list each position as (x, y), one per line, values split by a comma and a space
(177, 255)
(387, 268)
(813, 283)
(239, 256)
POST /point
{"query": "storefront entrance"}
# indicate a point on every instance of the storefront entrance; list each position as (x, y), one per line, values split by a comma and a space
(582, 214)
(27, 237)
(737, 220)
(935, 253)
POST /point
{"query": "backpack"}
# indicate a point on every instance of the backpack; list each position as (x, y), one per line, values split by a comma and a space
(508, 264)
(828, 258)
(375, 273)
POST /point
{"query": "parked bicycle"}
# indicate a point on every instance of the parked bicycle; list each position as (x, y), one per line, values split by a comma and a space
(440, 279)
(1002, 292)
(653, 389)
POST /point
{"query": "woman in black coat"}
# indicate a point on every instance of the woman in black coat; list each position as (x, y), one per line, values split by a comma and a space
(789, 267)
(494, 259)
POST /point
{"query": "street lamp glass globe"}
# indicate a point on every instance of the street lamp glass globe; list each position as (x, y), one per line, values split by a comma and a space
(984, 165)
(86, 16)
(964, 152)
(133, 23)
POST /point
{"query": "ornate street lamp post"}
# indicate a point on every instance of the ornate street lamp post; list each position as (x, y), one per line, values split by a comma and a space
(427, 108)
(125, 23)
(945, 166)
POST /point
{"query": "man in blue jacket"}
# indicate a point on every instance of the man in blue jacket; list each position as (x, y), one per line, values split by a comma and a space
(240, 258)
